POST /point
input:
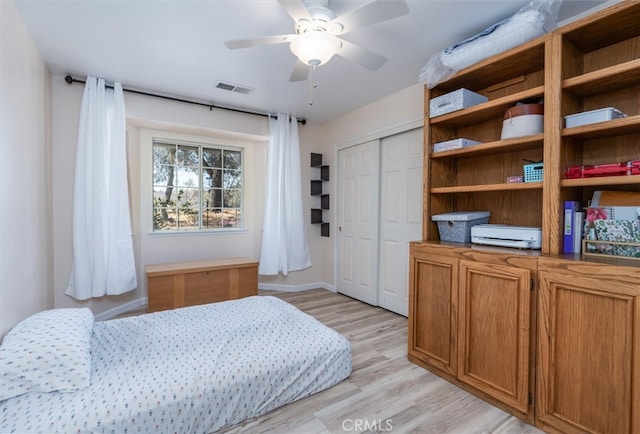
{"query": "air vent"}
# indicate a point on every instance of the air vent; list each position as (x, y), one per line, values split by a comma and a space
(233, 87)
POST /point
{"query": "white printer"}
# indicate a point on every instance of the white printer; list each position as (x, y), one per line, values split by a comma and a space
(520, 237)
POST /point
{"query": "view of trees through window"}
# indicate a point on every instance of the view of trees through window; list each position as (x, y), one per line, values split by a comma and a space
(196, 186)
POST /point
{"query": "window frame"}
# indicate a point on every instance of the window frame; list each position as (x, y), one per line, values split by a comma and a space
(200, 145)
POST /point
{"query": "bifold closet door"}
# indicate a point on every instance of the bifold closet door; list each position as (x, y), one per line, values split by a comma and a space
(379, 212)
(357, 236)
(400, 215)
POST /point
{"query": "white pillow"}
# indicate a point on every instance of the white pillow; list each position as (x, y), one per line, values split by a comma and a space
(49, 351)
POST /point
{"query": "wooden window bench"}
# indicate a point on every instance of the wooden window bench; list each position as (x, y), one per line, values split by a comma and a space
(181, 284)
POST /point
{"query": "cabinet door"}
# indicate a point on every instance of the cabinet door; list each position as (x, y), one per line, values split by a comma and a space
(433, 310)
(494, 331)
(589, 353)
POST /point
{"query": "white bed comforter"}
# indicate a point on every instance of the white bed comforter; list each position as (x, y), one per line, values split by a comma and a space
(191, 370)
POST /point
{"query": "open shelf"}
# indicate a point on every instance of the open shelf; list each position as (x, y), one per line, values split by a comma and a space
(601, 181)
(487, 187)
(488, 110)
(516, 144)
(628, 125)
(612, 78)
(317, 190)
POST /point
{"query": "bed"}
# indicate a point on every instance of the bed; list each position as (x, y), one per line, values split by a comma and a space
(191, 370)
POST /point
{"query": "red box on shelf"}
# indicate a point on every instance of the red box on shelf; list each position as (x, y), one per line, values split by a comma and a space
(631, 167)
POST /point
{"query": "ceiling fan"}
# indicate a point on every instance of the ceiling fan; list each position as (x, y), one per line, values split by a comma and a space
(318, 29)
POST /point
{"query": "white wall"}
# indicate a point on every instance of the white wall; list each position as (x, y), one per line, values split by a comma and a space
(25, 210)
(393, 114)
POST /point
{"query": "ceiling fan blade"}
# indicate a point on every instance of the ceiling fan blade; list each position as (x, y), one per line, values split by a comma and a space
(361, 55)
(371, 13)
(267, 40)
(296, 9)
(300, 71)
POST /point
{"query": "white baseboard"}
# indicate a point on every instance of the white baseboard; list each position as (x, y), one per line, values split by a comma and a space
(296, 288)
(132, 305)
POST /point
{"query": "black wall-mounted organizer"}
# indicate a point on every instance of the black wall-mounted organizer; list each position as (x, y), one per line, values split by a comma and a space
(316, 190)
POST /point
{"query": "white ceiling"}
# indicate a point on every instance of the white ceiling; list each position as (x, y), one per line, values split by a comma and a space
(175, 47)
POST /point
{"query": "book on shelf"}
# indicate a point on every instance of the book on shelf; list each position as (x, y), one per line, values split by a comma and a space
(578, 225)
(571, 232)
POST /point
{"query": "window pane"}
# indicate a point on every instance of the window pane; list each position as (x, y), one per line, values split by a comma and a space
(212, 218)
(188, 156)
(164, 219)
(188, 198)
(163, 174)
(187, 177)
(163, 164)
(212, 178)
(211, 157)
(164, 196)
(188, 218)
(232, 179)
(164, 154)
(231, 198)
(232, 159)
(232, 218)
(212, 198)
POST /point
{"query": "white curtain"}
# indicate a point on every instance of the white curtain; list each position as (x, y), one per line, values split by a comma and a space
(284, 239)
(103, 262)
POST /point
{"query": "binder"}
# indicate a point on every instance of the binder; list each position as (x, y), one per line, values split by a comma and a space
(571, 207)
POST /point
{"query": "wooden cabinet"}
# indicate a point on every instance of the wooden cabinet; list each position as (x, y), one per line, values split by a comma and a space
(433, 310)
(181, 284)
(589, 347)
(472, 313)
(495, 331)
(471, 321)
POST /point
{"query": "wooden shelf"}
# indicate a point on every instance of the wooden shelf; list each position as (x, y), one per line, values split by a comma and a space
(601, 181)
(628, 125)
(516, 144)
(487, 110)
(521, 60)
(604, 28)
(614, 77)
(487, 187)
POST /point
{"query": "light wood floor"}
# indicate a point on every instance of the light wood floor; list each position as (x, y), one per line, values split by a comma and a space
(385, 392)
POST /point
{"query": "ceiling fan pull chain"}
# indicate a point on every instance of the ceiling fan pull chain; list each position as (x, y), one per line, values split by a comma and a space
(312, 84)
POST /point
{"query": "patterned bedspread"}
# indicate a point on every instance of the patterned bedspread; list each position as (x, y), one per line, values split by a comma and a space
(192, 370)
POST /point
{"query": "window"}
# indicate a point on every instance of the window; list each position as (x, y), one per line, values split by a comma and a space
(196, 186)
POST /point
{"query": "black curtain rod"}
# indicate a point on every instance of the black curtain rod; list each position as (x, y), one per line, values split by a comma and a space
(70, 80)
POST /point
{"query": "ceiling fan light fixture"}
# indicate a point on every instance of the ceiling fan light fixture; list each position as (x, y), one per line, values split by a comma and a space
(315, 48)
